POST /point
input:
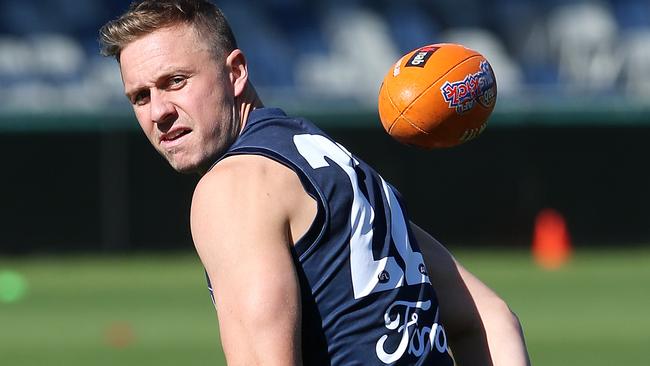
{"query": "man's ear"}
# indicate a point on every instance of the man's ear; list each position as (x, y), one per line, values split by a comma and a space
(237, 71)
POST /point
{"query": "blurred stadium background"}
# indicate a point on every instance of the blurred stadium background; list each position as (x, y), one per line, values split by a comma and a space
(96, 263)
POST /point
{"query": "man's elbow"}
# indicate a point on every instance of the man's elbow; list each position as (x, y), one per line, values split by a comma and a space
(515, 322)
(506, 337)
(507, 321)
(501, 308)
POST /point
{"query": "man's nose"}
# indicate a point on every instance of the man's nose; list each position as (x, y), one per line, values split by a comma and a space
(162, 110)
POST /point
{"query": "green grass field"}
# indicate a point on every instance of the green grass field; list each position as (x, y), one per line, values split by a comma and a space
(155, 310)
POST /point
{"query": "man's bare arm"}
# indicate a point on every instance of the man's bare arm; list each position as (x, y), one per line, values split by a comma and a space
(481, 328)
(240, 226)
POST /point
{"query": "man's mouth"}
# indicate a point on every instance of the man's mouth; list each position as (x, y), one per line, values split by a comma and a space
(174, 137)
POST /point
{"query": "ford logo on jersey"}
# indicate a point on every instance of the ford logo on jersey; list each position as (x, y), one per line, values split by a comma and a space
(414, 337)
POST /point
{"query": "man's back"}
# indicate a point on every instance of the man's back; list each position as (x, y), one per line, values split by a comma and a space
(366, 296)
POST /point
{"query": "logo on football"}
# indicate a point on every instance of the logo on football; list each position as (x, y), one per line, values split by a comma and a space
(421, 56)
(462, 95)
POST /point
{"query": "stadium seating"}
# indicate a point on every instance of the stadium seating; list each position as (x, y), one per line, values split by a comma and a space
(339, 50)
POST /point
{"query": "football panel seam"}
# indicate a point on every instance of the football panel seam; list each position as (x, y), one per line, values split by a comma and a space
(408, 107)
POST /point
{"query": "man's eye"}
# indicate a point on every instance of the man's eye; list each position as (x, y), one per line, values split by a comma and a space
(141, 98)
(176, 81)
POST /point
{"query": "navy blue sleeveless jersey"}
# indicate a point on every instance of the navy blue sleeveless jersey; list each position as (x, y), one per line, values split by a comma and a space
(366, 296)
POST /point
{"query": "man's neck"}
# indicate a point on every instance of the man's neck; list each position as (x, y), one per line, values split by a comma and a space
(248, 101)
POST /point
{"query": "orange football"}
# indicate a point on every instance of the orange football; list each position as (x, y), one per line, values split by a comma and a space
(437, 96)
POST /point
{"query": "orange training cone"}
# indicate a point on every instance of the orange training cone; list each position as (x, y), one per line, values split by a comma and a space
(551, 242)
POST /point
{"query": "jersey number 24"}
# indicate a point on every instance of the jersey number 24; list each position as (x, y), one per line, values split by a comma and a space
(369, 275)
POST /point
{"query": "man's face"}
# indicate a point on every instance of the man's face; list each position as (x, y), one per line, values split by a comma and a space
(182, 96)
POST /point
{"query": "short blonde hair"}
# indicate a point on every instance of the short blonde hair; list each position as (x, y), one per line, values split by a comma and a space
(146, 16)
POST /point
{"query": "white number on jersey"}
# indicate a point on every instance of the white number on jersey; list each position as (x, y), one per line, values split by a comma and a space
(368, 274)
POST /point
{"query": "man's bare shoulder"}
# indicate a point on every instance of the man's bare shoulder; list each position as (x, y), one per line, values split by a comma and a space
(249, 188)
(250, 164)
(239, 183)
(240, 176)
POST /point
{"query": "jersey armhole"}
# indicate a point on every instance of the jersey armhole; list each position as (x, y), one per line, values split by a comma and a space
(312, 237)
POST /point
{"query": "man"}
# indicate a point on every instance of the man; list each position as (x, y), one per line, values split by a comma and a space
(310, 255)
